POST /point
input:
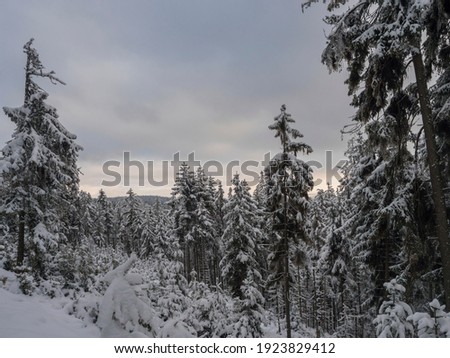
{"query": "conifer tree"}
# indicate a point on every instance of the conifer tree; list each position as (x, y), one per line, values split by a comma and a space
(333, 264)
(147, 226)
(249, 310)
(241, 238)
(174, 300)
(379, 40)
(432, 324)
(131, 219)
(183, 205)
(441, 114)
(105, 221)
(162, 231)
(391, 321)
(204, 230)
(88, 214)
(288, 181)
(38, 169)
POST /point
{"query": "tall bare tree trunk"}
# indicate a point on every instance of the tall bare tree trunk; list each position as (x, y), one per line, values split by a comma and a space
(435, 175)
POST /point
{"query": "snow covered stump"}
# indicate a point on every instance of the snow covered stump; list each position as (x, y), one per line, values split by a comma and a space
(123, 311)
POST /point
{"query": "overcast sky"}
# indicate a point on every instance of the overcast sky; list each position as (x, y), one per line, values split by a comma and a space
(157, 77)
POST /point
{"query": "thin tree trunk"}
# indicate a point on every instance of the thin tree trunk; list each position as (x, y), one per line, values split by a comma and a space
(299, 300)
(314, 303)
(187, 261)
(287, 304)
(359, 324)
(21, 240)
(278, 311)
(433, 164)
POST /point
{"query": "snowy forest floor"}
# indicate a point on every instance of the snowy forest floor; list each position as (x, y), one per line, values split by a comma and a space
(40, 316)
(23, 316)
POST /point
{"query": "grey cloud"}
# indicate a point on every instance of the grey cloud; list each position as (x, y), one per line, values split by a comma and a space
(157, 77)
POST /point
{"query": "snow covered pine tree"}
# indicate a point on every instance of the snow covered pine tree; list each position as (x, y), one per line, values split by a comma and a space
(240, 268)
(379, 40)
(288, 181)
(38, 171)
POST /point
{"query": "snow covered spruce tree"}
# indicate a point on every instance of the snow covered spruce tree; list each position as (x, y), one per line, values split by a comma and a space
(105, 233)
(147, 230)
(379, 40)
(288, 180)
(183, 205)
(439, 44)
(162, 246)
(241, 238)
(249, 310)
(378, 190)
(193, 211)
(334, 262)
(204, 230)
(391, 321)
(38, 170)
(240, 268)
(131, 219)
(173, 298)
(432, 324)
(219, 225)
(357, 274)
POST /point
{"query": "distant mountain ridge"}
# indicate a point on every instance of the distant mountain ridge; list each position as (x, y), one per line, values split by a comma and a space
(147, 199)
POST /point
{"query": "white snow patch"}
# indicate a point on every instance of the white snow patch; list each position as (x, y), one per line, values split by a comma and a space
(39, 317)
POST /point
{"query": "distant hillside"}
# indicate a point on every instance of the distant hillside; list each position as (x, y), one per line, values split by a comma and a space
(147, 199)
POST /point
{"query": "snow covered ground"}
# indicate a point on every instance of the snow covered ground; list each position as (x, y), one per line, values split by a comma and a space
(39, 316)
(24, 316)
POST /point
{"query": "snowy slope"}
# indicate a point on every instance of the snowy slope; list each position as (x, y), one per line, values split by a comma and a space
(38, 317)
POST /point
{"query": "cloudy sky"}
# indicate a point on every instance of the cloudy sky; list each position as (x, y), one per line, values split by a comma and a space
(159, 77)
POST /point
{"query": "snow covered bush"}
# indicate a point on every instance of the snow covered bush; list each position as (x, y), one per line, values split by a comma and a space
(173, 301)
(125, 310)
(85, 307)
(74, 267)
(434, 324)
(209, 312)
(391, 321)
(27, 284)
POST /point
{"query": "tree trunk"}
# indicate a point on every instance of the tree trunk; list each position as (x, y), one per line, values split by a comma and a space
(21, 240)
(278, 310)
(299, 299)
(287, 303)
(187, 261)
(433, 163)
